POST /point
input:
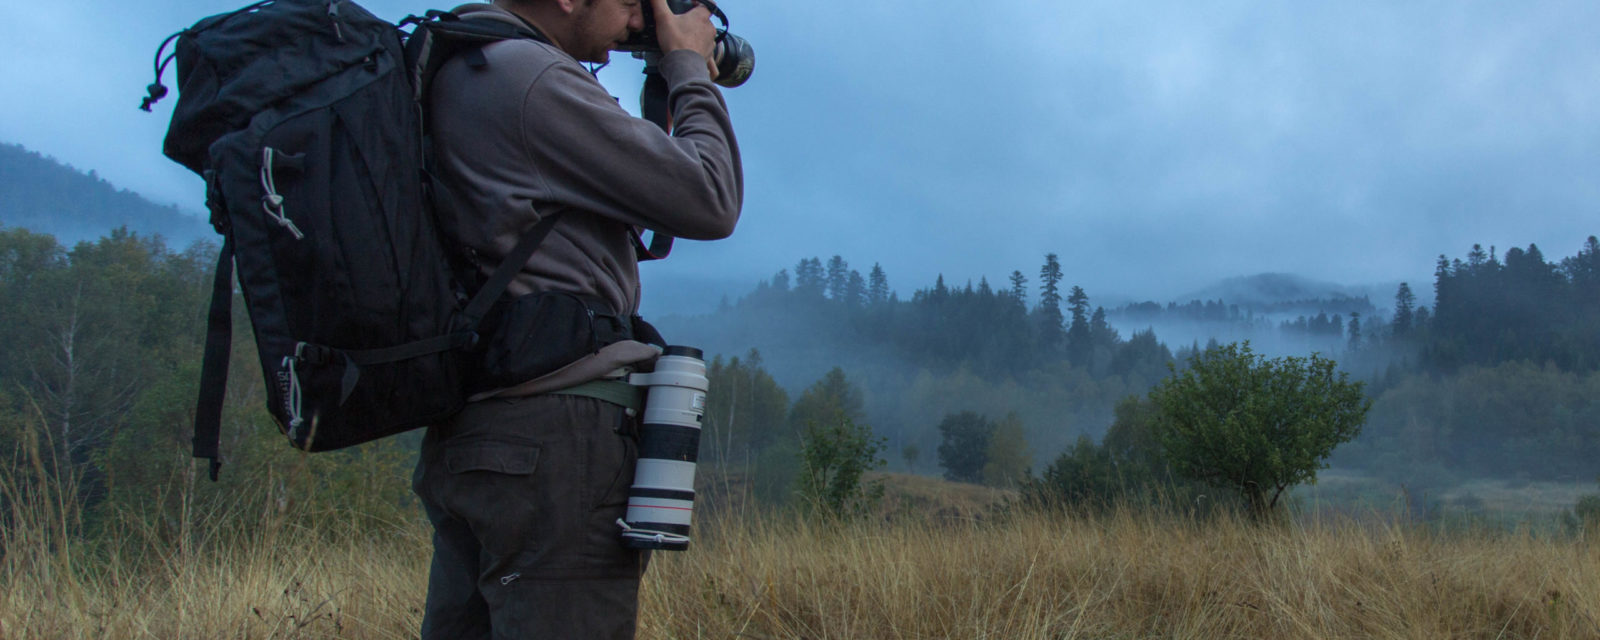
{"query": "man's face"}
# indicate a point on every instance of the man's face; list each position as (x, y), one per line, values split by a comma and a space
(601, 25)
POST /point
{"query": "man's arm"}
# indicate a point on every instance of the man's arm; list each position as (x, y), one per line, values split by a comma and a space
(593, 156)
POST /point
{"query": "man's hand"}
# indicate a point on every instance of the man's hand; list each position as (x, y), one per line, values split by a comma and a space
(692, 31)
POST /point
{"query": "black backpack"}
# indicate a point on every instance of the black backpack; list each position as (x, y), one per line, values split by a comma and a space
(305, 119)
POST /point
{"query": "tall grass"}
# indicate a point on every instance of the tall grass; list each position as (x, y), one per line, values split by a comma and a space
(1131, 574)
(251, 567)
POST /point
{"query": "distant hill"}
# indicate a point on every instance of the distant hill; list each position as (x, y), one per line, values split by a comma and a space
(1269, 289)
(40, 194)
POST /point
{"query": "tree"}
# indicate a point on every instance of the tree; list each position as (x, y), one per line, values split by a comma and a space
(1355, 332)
(808, 278)
(831, 400)
(1019, 288)
(746, 410)
(855, 289)
(1404, 305)
(838, 278)
(1049, 310)
(877, 285)
(964, 446)
(1050, 276)
(834, 457)
(1007, 459)
(1079, 337)
(911, 452)
(1237, 420)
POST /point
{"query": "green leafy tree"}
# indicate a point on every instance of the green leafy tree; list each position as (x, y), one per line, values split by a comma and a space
(835, 456)
(746, 410)
(832, 399)
(827, 404)
(1127, 465)
(1238, 420)
(964, 446)
(1008, 457)
(911, 452)
(1083, 476)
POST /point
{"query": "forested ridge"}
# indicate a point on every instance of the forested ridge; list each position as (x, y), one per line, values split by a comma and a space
(1498, 378)
(41, 194)
(100, 345)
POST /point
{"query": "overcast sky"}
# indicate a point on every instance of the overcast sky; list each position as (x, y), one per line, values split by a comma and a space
(1156, 146)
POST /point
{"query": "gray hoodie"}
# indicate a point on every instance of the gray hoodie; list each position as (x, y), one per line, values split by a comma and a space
(533, 134)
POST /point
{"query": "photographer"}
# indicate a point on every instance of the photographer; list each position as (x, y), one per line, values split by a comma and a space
(525, 486)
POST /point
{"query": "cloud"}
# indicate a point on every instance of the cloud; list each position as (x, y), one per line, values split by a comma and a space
(1155, 145)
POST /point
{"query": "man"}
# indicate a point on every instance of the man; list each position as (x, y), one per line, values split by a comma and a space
(524, 487)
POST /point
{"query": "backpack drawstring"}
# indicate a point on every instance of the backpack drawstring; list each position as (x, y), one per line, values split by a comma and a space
(272, 203)
(156, 89)
(295, 419)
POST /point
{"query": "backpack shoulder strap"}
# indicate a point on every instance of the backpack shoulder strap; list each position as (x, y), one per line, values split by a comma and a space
(441, 35)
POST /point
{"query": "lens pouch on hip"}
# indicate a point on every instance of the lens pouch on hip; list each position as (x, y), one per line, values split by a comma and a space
(532, 335)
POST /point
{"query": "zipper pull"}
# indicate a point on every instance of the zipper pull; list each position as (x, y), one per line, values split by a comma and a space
(333, 14)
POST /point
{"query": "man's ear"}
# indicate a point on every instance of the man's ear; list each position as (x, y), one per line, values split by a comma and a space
(567, 6)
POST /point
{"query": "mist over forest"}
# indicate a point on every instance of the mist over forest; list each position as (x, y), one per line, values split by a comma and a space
(1496, 378)
(1489, 370)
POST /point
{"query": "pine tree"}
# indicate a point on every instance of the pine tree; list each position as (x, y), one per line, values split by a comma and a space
(855, 289)
(1355, 332)
(1019, 288)
(808, 278)
(838, 278)
(1050, 291)
(1101, 331)
(1404, 301)
(1050, 321)
(1080, 340)
(877, 285)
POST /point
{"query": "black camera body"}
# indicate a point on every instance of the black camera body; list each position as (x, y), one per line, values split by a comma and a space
(735, 58)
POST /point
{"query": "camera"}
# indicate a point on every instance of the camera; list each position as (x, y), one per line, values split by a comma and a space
(735, 59)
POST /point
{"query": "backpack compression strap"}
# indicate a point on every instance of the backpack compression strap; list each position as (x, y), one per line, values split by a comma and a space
(214, 366)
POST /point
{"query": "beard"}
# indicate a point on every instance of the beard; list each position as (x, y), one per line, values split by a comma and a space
(592, 46)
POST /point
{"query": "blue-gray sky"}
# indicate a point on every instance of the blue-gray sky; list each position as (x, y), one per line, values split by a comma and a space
(1156, 146)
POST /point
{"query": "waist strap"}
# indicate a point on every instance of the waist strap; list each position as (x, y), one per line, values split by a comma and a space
(615, 392)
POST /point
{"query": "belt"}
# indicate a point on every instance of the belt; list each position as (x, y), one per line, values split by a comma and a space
(615, 392)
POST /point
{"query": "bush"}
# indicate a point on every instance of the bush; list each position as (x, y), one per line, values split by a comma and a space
(964, 446)
(1587, 512)
(833, 458)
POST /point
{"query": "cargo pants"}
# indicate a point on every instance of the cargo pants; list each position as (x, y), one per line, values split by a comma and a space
(524, 495)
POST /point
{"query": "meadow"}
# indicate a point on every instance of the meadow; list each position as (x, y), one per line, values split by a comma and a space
(937, 562)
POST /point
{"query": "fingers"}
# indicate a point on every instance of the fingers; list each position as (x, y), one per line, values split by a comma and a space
(691, 30)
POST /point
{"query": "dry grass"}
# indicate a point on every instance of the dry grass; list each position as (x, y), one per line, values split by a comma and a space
(1135, 574)
(1130, 575)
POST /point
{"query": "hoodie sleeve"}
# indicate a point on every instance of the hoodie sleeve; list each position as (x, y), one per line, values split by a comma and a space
(595, 157)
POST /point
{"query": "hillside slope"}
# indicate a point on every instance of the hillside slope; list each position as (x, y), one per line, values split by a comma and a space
(43, 195)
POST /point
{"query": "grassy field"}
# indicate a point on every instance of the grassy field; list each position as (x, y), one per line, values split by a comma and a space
(934, 568)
